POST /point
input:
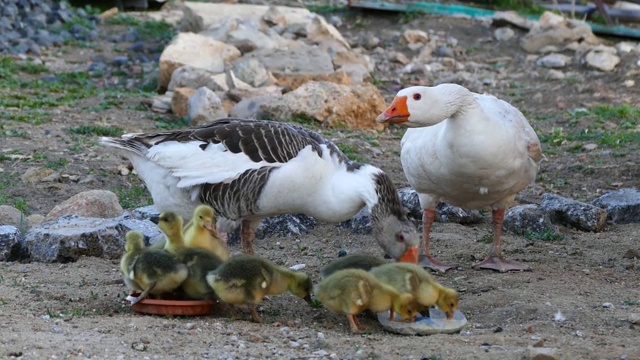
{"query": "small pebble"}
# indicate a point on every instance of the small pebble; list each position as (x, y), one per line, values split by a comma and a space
(189, 326)
(608, 305)
(320, 335)
(579, 334)
(342, 253)
(294, 344)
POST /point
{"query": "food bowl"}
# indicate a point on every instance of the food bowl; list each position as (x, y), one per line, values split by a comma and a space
(436, 323)
(173, 307)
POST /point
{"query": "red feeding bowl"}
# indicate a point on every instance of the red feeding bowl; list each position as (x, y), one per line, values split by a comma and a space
(173, 307)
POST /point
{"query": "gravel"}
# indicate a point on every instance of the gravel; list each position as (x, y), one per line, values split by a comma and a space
(27, 26)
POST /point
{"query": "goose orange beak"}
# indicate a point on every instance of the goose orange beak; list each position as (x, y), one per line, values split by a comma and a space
(396, 113)
(411, 255)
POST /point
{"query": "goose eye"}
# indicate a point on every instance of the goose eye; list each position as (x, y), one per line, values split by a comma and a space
(400, 238)
(417, 97)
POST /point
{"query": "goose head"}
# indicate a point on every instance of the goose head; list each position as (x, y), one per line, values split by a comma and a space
(398, 238)
(419, 106)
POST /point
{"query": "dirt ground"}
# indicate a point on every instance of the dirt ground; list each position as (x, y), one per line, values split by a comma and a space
(77, 310)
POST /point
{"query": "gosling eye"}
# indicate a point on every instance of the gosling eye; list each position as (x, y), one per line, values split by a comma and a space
(417, 96)
(400, 238)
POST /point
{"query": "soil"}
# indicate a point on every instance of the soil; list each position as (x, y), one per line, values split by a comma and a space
(77, 310)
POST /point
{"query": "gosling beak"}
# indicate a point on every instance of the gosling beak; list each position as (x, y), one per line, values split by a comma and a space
(396, 113)
(208, 224)
(450, 315)
(411, 255)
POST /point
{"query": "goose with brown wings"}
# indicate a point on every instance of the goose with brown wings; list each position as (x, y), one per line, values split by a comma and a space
(251, 169)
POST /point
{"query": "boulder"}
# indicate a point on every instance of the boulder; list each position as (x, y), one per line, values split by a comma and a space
(36, 174)
(285, 225)
(199, 16)
(454, 214)
(303, 60)
(180, 101)
(528, 218)
(553, 29)
(9, 242)
(195, 50)
(92, 203)
(249, 108)
(360, 223)
(331, 104)
(247, 39)
(622, 206)
(12, 216)
(602, 58)
(192, 77)
(70, 237)
(318, 30)
(205, 106)
(252, 72)
(573, 213)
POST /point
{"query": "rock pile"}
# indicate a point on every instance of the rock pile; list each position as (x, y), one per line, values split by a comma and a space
(84, 230)
(28, 25)
(240, 59)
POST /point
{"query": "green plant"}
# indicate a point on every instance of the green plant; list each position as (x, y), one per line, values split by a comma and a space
(57, 164)
(133, 196)
(315, 303)
(98, 130)
(351, 152)
(303, 119)
(153, 29)
(547, 235)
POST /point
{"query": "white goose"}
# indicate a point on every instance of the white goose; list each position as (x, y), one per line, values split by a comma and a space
(470, 150)
(249, 169)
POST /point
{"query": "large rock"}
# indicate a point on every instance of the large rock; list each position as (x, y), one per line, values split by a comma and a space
(9, 241)
(528, 218)
(199, 16)
(444, 212)
(70, 237)
(603, 58)
(252, 72)
(573, 213)
(622, 206)
(247, 39)
(180, 101)
(12, 216)
(195, 50)
(249, 108)
(360, 223)
(92, 203)
(318, 31)
(553, 29)
(355, 106)
(205, 106)
(449, 213)
(192, 77)
(295, 66)
(285, 225)
(149, 212)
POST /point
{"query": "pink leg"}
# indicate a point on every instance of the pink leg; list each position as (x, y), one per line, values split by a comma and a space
(426, 260)
(495, 261)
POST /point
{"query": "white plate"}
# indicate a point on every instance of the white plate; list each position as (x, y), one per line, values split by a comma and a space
(436, 324)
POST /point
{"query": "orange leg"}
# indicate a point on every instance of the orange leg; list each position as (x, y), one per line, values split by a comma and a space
(248, 235)
(353, 322)
(426, 260)
(495, 261)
